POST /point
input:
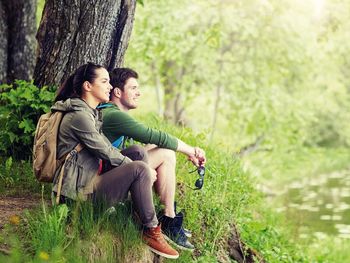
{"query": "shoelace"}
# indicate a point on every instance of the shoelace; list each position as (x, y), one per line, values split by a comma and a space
(157, 235)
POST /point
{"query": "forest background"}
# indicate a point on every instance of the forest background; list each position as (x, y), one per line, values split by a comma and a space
(265, 84)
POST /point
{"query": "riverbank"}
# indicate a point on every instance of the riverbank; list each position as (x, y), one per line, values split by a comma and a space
(227, 201)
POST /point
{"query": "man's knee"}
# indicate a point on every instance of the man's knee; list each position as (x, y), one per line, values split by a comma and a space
(160, 156)
(169, 155)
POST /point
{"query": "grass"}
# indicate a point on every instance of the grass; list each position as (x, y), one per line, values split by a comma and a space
(329, 250)
(84, 234)
(80, 233)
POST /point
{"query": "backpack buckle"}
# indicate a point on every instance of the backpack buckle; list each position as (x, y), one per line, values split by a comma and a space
(73, 152)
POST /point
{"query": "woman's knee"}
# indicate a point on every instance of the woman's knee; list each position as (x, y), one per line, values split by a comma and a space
(142, 170)
(136, 153)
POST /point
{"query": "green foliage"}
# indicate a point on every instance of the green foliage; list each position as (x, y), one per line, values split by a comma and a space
(167, 59)
(141, 2)
(39, 10)
(17, 177)
(21, 105)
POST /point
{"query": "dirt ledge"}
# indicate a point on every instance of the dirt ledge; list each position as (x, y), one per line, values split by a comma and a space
(14, 206)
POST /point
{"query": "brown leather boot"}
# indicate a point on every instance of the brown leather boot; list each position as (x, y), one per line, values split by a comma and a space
(157, 244)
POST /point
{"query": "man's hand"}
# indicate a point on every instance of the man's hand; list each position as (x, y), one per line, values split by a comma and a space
(198, 157)
(194, 154)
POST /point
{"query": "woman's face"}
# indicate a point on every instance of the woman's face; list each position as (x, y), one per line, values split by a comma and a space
(100, 86)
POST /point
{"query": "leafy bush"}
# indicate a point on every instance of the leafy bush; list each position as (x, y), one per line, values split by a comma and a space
(21, 105)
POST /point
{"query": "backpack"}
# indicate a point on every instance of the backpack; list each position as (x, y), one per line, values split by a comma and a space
(45, 161)
(44, 148)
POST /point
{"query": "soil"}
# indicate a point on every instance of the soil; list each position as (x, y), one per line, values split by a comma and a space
(14, 206)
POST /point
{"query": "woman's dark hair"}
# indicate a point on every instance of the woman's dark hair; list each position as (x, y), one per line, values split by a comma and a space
(72, 87)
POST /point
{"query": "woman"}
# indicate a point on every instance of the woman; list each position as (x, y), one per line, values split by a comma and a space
(78, 98)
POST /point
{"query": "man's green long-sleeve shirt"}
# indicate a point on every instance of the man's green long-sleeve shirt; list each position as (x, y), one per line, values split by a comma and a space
(117, 123)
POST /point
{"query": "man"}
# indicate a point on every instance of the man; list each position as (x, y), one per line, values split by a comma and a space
(161, 147)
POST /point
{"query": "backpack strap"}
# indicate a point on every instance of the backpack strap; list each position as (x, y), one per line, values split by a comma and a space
(64, 158)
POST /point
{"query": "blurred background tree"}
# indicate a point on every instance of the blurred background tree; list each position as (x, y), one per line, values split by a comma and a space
(247, 71)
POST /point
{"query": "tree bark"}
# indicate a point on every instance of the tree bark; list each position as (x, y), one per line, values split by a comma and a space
(158, 88)
(216, 111)
(74, 32)
(219, 89)
(3, 44)
(18, 44)
(174, 110)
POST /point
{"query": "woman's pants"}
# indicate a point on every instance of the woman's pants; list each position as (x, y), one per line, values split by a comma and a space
(114, 185)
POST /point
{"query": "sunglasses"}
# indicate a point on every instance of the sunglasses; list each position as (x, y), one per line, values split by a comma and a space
(200, 181)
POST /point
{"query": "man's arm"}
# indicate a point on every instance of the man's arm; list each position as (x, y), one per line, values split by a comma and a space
(117, 123)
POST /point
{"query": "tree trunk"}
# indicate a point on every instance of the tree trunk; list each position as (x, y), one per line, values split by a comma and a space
(158, 87)
(3, 44)
(74, 32)
(216, 111)
(169, 91)
(18, 44)
(174, 109)
(219, 89)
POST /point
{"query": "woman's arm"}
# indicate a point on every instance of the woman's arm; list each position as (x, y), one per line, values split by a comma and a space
(83, 127)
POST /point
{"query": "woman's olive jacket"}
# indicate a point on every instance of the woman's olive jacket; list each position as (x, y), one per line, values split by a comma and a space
(82, 124)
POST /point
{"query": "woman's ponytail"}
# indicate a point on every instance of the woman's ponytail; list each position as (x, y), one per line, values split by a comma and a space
(64, 92)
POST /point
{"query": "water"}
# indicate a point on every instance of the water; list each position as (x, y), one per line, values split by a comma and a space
(319, 206)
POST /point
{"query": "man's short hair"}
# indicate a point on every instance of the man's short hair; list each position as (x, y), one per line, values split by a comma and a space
(119, 76)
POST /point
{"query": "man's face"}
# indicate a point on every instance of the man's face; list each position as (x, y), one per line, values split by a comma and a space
(130, 95)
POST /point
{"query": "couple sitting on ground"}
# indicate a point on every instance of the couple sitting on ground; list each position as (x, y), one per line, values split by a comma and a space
(135, 169)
